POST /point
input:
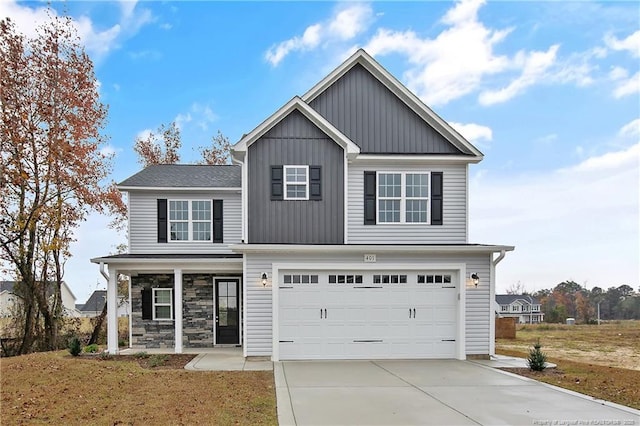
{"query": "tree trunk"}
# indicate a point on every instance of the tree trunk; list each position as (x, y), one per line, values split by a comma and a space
(98, 326)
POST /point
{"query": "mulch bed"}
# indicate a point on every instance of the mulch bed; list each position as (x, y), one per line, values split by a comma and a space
(149, 361)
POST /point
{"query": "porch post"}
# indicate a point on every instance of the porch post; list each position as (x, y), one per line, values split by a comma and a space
(112, 312)
(177, 297)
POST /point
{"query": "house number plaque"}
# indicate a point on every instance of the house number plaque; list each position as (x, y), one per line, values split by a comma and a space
(369, 258)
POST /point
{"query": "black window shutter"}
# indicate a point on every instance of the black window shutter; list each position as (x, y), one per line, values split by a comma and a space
(217, 221)
(369, 198)
(436, 198)
(277, 183)
(162, 221)
(315, 182)
(147, 304)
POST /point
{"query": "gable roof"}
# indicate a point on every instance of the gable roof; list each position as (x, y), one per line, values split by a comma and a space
(182, 176)
(296, 104)
(412, 101)
(507, 299)
(95, 302)
(8, 286)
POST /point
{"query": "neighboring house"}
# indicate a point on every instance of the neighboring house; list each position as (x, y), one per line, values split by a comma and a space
(95, 304)
(525, 308)
(8, 299)
(340, 232)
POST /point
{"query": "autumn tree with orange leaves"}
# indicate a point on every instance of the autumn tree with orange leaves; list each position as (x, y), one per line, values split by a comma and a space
(53, 170)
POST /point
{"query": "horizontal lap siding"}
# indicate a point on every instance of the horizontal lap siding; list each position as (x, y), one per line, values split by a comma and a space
(143, 228)
(453, 230)
(259, 299)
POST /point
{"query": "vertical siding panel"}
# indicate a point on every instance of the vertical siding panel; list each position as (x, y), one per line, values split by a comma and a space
(375, 119)
(295, 141)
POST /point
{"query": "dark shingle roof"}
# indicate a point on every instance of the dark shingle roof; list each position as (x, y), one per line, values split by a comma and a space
(7, 286)
(186, 176)
(507, 299)
(95, 302)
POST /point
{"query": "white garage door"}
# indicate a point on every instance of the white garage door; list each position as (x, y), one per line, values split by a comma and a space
(367, 314)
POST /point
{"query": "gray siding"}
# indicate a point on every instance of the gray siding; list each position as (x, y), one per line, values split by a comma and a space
(259, 309)
(452, 231)
(295, 141)
(375, 119)
(143, 229)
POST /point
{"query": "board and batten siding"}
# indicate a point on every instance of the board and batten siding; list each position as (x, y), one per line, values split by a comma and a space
(295, 141)
(143, 222)
(375, 119)
(259, 308)
(452, 231)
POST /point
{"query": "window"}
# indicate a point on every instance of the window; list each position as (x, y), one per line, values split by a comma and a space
(190, 220)
(296, 182)
(403, 197)
(162, 304)
(300, 279)
(434, 279)
(389, 279)
(345, 279)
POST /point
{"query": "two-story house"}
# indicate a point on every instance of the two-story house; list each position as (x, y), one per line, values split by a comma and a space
(340, 232)
(526, 309)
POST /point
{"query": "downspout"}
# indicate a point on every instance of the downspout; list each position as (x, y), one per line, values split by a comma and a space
(499, 258)
(103, 272)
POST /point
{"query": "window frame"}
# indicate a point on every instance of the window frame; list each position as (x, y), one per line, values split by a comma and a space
(403, 197)
(154, 305)
(190, 220)
(285, 183)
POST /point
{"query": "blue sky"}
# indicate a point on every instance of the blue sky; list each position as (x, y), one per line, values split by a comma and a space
(549, 91)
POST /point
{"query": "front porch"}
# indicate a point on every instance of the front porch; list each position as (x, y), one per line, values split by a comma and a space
(178, 302)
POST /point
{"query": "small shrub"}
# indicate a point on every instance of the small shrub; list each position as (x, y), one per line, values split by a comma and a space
(91, 349)
(74, 346)
(141, 355)
(536, 359)
(157, 360)
(105, 356)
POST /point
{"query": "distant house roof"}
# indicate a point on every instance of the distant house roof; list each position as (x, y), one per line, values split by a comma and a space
(96, 301)
(7, 286)
(185, 176)
(507, 299)
(79, 306)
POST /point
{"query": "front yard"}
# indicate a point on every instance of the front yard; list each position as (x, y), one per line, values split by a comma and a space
(600, 361)
(55, 388)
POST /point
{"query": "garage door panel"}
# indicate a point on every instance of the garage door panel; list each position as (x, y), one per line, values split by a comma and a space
(332, 320)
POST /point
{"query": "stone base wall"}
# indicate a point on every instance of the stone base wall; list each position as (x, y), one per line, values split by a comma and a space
(149, 333)
(198, 312)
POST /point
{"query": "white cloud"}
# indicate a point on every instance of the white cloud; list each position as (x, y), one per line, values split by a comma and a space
(109, 151)
(474, 133)
(627, 86)
(618, 73)
(144, 134)
(534, 66)
(547, 139)
(181, 119)
(198, 114)
(347, 22)
(580, 221)
(630, 44)
(98, 42)
(631, 129)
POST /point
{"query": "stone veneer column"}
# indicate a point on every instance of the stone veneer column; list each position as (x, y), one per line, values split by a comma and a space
(177, 297)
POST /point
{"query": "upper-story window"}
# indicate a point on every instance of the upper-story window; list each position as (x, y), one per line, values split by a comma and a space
(190, 220)
(403, 197)
(296, 182)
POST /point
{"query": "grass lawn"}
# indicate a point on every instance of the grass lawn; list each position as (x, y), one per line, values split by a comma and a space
(55, 388)
(600, 361)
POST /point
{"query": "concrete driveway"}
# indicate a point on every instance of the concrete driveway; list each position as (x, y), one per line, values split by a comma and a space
(429, 392)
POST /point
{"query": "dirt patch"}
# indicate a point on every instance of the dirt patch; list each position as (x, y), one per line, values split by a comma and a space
(615, 344)
(613, 384)
(54, 388)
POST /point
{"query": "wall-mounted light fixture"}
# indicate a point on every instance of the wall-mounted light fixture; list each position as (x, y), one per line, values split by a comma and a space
(264, 279)
(475, 278)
